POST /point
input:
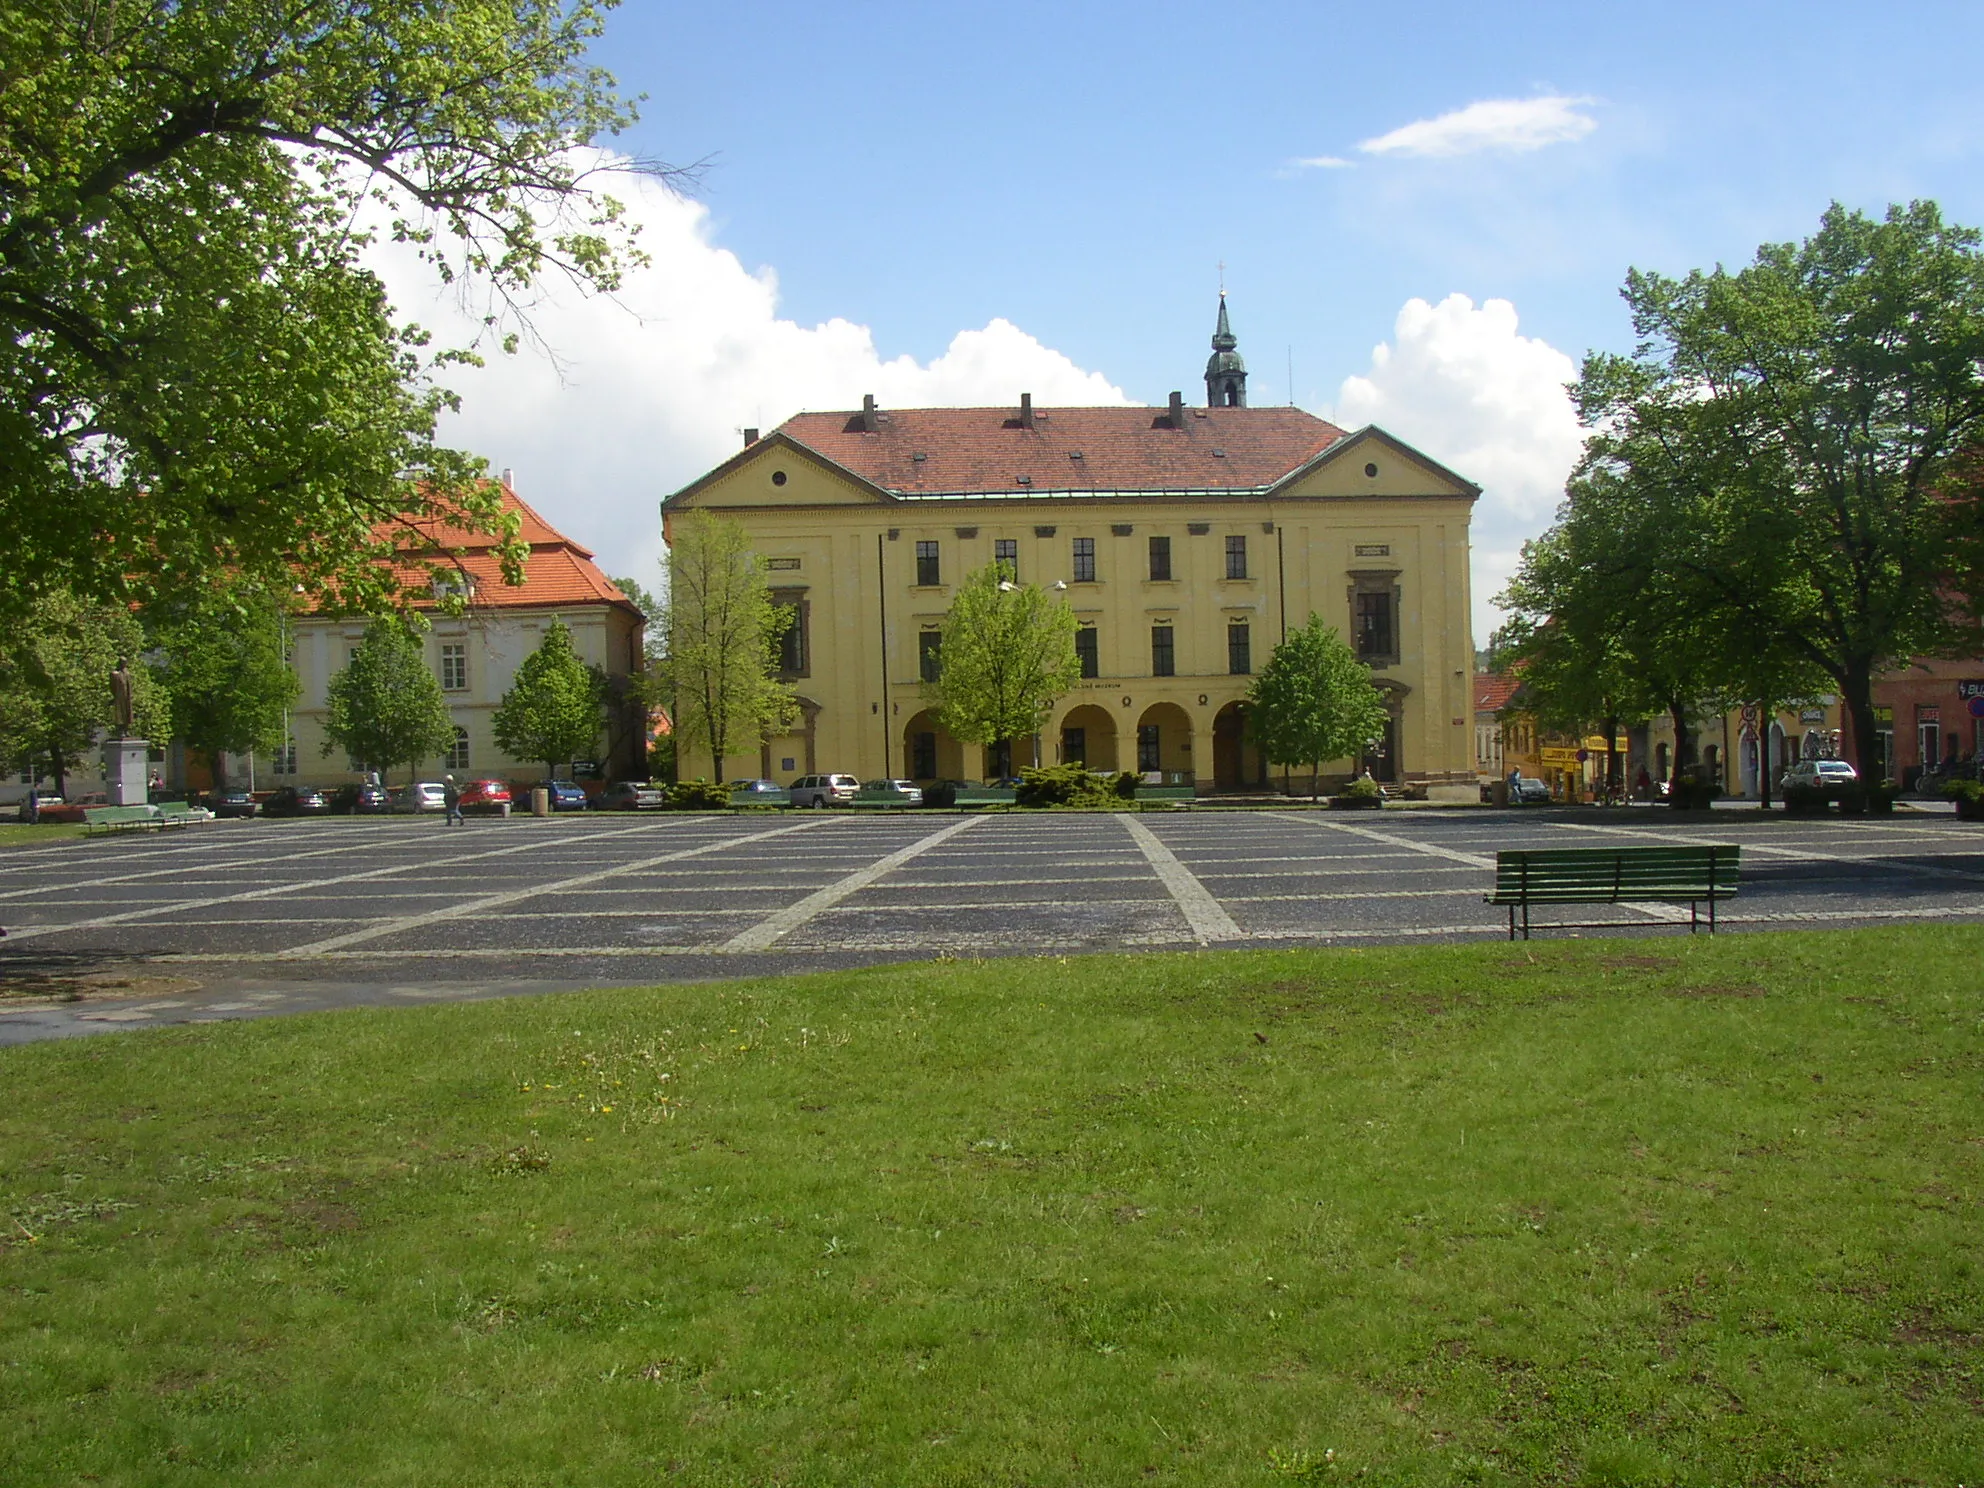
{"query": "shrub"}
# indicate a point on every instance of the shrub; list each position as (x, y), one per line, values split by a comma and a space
(698, 795)
(1689, 793)
(1965, 790)
(1360, 789)
(1073, 785)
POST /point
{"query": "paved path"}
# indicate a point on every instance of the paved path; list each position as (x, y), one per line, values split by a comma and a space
(239, 919)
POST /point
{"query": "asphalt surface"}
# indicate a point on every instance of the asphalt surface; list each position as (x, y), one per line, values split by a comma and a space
(244, 919)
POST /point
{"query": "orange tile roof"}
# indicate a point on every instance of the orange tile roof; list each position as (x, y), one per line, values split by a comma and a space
(944, 451)
(1492, 691)
(557, 570)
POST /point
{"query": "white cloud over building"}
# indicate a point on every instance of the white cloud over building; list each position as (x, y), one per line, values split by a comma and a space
(1509, 126)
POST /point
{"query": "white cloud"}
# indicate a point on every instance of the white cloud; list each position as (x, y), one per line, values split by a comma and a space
(1458, 382)
(648, 390)
(1324, 162)
(1509, 125)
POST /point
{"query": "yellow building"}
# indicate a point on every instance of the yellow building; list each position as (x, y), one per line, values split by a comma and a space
(1188, 541)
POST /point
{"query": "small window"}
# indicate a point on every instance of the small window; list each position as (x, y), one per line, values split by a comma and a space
(1085, 651)
(1160, 558)
(1239, 649)
(454, 667)
(1374, 625)
(929, 655)
(286, 758)
(1084, 560)
(1006, 553)
(458, 751)
(926, 564)
(1163, 656)
(1236, 557)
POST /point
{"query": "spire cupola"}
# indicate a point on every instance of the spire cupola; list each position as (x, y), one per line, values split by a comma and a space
(1226, 373)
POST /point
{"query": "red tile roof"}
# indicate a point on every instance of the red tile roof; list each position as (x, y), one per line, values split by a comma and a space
(1492, 691)
(943, 451)
(557, 571)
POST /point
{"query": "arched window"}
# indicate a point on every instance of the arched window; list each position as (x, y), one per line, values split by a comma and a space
(458, 751)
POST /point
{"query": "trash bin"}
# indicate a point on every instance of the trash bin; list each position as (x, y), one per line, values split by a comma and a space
(540, 801)
(1499, 796)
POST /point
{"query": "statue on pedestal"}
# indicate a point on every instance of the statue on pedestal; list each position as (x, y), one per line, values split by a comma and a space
(120, 696)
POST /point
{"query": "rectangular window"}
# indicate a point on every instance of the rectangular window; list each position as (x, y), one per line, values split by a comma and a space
(1163, 658)
(1149, 757)
(458, 751)
(1084, 560)
(926, 564)
(1239, 649)
(1236, 557)
(1374, 626)
(794, 642)
(923, 756)
(1006, 552)
(929, 655)
(1085, 650)
(286, 758)
(1074, 746)
(454, 666)
(1160, 558)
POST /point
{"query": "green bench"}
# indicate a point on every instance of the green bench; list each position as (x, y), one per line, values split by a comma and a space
(1693, 876)
(984, 795)
(119, 819)
(880, 800)
(181, 813)
(1176, 794)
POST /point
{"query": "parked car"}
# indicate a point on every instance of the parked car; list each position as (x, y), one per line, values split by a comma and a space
(759, 793)
(1527, 790)
(566, 795)
(422, 795)
(1820, 775)
(897, 792)
(361, 799)
(235, 804)
(297, 800)
(485, 798)
(824, 790)
(633, 795)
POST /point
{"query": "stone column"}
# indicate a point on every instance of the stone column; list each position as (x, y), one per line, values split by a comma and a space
(125, 765)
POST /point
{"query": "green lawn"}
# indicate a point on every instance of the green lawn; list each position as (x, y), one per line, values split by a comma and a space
(19, 834)
(1623, 1212)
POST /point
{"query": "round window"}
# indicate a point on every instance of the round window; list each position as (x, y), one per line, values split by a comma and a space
(1371, 470)
(778, 476)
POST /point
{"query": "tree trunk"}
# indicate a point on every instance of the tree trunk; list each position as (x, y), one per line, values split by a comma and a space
(1679, 713)
(58, 768)
(1856, 690)
(1612, 771)
(218, 770)
(1766, 716)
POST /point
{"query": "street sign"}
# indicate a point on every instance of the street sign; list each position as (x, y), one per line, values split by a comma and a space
(1977, 707)
(1749, 715)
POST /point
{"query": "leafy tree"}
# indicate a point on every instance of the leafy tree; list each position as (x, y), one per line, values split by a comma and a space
(552, 712)
(654, 639)
(1008, 651)
(198, 374)
(720, 676)
(1784, 447)
(55, 694)
(1314, 702)
(225, 673)
(386, 707)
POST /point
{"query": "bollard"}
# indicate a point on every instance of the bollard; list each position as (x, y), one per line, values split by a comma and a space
(540, 801)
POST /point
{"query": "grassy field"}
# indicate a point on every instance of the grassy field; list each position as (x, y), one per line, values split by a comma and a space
(19, 834)
(1619, 1212)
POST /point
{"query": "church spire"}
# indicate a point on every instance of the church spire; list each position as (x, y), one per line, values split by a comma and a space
(1226, 373)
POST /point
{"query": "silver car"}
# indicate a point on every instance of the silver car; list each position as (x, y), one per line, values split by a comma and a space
(1820, 775)
(824, 790)
(422, 795)
(896, 792)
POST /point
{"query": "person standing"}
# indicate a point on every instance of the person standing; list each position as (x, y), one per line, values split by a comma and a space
(451, 797)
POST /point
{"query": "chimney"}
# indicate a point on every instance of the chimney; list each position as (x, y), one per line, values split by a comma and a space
(509, 479)
(868, 423)
(1177, 410)
(1026, 410)
(750, 437)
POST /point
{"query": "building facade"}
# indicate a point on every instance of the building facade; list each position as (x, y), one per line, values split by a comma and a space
(1187, 540)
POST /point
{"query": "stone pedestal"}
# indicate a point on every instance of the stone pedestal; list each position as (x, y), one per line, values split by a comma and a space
(126, 768)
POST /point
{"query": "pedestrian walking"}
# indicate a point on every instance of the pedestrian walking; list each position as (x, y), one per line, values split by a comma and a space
(31, 807)
(451, 796)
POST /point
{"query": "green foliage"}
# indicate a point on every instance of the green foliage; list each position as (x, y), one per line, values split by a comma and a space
(699, 795)
(1074, 785)
(55, 694)
(386, 707)
(225, 671)
(199, 376)
(1785, 460)
(1008, 652)
(1070, 1218)
(720, 676)
(1363, 788)
(654, 637)
(1313, 702)
(552, 711)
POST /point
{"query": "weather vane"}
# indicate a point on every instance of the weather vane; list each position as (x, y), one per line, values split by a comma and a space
(1222, 278)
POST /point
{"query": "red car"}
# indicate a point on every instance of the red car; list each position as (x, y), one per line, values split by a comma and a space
(488, 797)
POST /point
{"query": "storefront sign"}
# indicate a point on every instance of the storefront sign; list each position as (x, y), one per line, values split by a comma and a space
(1968, 690)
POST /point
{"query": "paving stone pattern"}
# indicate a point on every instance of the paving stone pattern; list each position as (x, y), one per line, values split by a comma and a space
(264, 917)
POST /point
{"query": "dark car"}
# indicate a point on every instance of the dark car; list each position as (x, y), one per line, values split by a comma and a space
(297, 800)
(565, 795)
(633, 795)
(1527, 790)
(233, 803)
(360, 799)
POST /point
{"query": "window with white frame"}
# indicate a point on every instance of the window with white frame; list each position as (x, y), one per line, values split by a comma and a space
(458, 751)
(454, 666)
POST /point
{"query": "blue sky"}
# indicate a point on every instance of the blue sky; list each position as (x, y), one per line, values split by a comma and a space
(899, 174)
